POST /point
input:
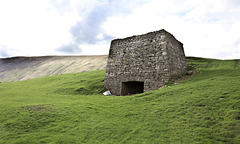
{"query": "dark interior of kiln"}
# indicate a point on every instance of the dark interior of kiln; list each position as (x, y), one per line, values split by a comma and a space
(132, 87)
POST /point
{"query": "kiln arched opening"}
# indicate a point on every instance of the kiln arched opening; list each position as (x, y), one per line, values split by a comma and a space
(132, 87)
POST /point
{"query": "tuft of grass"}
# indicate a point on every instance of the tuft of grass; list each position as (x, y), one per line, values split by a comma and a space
(70, 108)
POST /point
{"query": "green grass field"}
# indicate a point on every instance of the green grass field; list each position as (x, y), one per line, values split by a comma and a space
(205, 108)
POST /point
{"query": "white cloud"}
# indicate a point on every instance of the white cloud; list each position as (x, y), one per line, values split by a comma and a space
(207, 28)
(32, 27)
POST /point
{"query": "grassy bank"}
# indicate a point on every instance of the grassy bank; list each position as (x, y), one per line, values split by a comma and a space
(70, 108)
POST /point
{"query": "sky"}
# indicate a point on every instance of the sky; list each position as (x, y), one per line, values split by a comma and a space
(207, 28)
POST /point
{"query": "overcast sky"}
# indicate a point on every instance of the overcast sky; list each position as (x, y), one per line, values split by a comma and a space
(207, 28)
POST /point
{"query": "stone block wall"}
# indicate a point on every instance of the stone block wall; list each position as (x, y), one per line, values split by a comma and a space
(149, 60)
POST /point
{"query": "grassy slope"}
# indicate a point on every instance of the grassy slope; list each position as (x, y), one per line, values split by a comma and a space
(70, 109)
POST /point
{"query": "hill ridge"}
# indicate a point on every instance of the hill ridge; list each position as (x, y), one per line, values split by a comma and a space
(24, 68)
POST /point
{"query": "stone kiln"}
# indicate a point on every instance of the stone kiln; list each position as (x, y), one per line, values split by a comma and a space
(142, 63)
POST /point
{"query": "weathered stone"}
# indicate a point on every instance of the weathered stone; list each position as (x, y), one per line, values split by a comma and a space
(142, 63)
(189, 72)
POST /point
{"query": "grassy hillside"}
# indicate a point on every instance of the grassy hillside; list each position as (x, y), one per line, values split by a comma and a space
(23, 68)
(69, 108)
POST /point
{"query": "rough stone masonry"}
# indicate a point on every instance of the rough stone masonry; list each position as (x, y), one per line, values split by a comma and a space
(143, 63)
